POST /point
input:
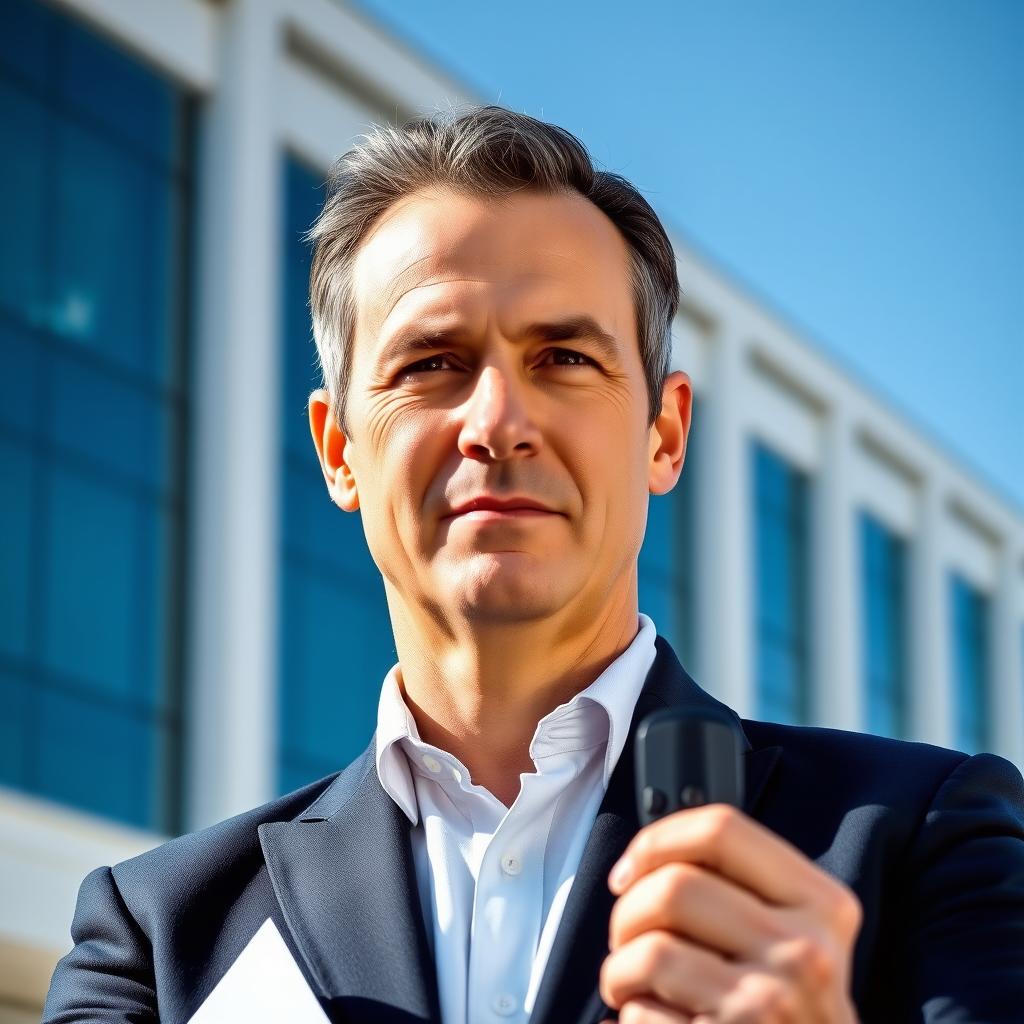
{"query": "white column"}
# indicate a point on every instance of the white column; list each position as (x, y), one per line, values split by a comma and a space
(237, 449)
(835, 614)
(1007, 704)
(724, 516)
(931, 679)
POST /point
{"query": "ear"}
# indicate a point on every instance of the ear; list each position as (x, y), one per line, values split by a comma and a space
(669, 432)
(332, 449)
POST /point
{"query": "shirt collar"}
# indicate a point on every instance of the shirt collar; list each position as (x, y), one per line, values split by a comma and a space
(615, 691)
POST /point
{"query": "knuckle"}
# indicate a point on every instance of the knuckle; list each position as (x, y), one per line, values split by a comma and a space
(655, 954)
(808, 962)
(643, 845)
(763, 998)
(677, 880)
(721, 820)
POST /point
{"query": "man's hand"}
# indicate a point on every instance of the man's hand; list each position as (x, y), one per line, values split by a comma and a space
(719, 920)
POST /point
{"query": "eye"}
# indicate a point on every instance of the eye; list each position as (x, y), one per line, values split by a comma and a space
(568, 357)
(429, 365)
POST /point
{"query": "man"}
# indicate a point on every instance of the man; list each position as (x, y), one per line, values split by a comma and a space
(493, 321)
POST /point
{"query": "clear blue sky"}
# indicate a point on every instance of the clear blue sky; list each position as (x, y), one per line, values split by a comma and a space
(858, 165)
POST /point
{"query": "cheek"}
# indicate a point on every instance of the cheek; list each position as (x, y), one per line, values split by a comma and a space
(407, 454)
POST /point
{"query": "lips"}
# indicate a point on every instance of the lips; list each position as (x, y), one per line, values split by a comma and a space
(485, 507)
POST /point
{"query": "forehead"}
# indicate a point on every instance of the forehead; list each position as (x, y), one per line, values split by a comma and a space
(446, 251)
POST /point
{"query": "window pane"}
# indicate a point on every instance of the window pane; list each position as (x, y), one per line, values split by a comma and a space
(16, 490)
(19, 355)
(97, 757)
(111, 422)
(27, 43)
(782, 612)
(91, 592)
(667, 560)
(317, 530)
(884, 627)
(139, 108)
(15, 725)
(657, 599)
(24, 127)
(112, 298)
(337, 647)
(969, 612)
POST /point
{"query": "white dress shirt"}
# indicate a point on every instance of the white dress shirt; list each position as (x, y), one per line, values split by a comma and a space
(493, 881)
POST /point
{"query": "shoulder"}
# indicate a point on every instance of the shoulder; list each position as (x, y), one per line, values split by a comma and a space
(228, 849)
(885, 771)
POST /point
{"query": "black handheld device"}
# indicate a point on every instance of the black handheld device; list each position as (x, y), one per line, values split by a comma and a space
(685, 758)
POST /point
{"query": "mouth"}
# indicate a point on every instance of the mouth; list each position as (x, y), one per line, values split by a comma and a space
(487, 509)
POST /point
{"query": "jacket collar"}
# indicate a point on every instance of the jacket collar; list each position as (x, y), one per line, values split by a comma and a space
(344, 876)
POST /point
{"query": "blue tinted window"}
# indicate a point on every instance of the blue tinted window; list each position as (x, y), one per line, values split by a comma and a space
(110, 421)
(15, 728)
(92, 187)
(667, 563)
(24, 125)
(111, 298)
(970, 665)
(17, 484)
(336, 642)
(28, 44)
(781, 608)
(884, 636)
(19, 379)
(111, 91)
(99, 757)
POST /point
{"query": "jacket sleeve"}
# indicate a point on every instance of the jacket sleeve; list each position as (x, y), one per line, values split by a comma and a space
(107, 978)
(964, 887)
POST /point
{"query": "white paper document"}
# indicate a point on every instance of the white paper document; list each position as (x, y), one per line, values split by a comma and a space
(264, 984)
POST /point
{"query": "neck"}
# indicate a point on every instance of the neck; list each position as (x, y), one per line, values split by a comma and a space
(478, 691)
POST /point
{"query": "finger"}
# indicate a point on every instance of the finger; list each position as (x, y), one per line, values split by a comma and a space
(669, 969)
(648, 1011)
(696, 903)
(762, 997)
(725, 840)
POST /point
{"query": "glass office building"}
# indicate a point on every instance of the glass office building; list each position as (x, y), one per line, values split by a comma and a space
(153, 389)
(94, 198)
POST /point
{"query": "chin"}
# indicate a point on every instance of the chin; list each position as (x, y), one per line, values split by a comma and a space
(509, 587)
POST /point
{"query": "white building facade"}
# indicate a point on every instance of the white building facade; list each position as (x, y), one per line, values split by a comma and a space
(824, 561)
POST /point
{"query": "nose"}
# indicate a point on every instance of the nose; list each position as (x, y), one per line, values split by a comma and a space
(497, 424)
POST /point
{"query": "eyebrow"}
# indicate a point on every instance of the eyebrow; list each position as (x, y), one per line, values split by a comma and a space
(576, 325)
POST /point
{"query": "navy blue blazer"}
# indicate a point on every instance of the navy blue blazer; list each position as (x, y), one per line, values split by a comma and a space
(931, 840)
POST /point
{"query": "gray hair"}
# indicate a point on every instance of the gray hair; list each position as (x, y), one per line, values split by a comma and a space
(486, 151)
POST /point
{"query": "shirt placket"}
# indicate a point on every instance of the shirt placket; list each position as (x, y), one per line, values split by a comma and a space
(508, 905)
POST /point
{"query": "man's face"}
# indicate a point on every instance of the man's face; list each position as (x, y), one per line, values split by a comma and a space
(499, 447)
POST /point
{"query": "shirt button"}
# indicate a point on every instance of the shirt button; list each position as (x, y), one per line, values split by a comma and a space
(432, 763)
(504, 1005)
(511, 864)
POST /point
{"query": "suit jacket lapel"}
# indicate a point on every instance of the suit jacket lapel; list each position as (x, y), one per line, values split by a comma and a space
(343, 874)
(568, 992)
